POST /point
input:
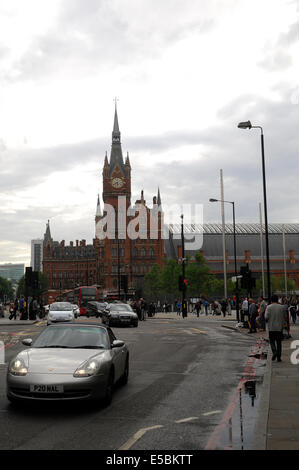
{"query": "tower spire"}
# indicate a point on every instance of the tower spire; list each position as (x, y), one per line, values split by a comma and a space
(116, 157)
(47, 235)
(159, 202)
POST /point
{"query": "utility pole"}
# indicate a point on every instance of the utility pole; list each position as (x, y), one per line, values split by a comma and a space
(184, 285)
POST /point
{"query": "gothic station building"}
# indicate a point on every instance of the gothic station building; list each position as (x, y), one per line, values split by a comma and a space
(108, 260)
(122, 253)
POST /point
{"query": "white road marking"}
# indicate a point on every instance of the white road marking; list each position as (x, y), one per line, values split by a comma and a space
(137, 436)
(186, 420)
(212, 413)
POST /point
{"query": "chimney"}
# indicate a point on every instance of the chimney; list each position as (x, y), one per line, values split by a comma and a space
(292, 257)
(77, 242)
(72, 243)
(247, 256)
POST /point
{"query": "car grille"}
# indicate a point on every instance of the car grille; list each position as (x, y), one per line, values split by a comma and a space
(25, 393)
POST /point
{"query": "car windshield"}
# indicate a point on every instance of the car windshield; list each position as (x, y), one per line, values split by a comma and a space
(84, 337)
(61, 307)
(120, 308)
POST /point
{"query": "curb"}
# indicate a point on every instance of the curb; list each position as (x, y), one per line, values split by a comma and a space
(7, 322)
(261, 425)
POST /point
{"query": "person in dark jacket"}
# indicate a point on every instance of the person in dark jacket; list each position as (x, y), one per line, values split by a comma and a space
(252, 314)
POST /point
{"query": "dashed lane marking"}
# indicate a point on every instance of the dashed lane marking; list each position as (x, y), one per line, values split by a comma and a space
(130, 442)
(137, 436)
(186, 420)
(212, 413)
(196, 330)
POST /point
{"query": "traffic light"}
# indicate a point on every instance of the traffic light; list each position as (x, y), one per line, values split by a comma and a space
(247, 281)
(182, 283)
(28, 277)
(124, 283)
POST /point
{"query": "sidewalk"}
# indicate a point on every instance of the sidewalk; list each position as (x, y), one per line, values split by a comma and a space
(283, 414)
(7, 322)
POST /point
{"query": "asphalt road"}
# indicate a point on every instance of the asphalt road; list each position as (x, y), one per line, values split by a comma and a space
(182, 394)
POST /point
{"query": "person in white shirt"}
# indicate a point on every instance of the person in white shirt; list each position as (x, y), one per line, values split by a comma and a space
(275, 318)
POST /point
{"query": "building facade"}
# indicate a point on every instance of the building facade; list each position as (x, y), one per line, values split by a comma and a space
(12, 272)
(37, 255)
(129, 250)
(283, 248)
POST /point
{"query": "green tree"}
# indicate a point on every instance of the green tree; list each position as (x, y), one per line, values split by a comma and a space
(197, 274)
(169, 279)
(6, 289)
(153, 283)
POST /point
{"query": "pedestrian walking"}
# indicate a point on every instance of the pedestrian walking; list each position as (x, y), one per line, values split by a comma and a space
(198, 308)
(244, 313)
(224, 307)
(293, 312)
(262, 309)
(207, 307)
(178, 306)
(275, 318)
(252, 316)
(35, 308)
(217, 307)
(14, 312)
(22, 307)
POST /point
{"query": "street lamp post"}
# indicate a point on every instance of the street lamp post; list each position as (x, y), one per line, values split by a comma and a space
(248, 125)
(184, 287)
(235, 254)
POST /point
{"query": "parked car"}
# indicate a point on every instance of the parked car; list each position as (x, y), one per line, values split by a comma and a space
(69, 361)
(60, 311)
(119, 314)
(95, 308)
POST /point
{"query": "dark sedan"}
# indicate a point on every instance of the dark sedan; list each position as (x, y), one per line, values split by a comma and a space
(95, 309)
(119, 314)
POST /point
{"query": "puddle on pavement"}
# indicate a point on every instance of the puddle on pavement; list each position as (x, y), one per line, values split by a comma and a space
(238, 433)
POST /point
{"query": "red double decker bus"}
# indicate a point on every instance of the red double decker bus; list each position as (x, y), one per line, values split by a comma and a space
(82, 295)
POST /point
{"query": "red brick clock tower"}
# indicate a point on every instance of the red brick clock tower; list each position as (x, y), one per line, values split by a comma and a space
(118, 255)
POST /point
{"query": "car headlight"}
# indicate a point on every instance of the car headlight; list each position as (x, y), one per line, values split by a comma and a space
(70, 316)
(18, 367)
(87, 369)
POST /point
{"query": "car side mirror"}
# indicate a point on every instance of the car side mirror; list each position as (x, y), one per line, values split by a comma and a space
(117, 343)
(27, 342)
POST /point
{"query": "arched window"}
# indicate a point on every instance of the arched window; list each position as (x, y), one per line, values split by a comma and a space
(143, 252)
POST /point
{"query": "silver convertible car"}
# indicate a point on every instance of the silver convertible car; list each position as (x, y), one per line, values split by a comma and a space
(69, 361)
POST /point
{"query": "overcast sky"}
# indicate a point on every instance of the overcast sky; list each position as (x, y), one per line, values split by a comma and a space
(186, 72)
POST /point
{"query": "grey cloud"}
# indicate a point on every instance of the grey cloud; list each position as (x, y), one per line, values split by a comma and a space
(276, 60)
(89, 36)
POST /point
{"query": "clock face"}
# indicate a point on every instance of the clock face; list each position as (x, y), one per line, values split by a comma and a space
(117, 183)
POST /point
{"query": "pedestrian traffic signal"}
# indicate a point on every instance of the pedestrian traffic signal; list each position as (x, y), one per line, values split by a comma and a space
(182, 283)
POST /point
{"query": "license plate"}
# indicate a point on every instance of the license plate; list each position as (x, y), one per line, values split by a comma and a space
(46, 388)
